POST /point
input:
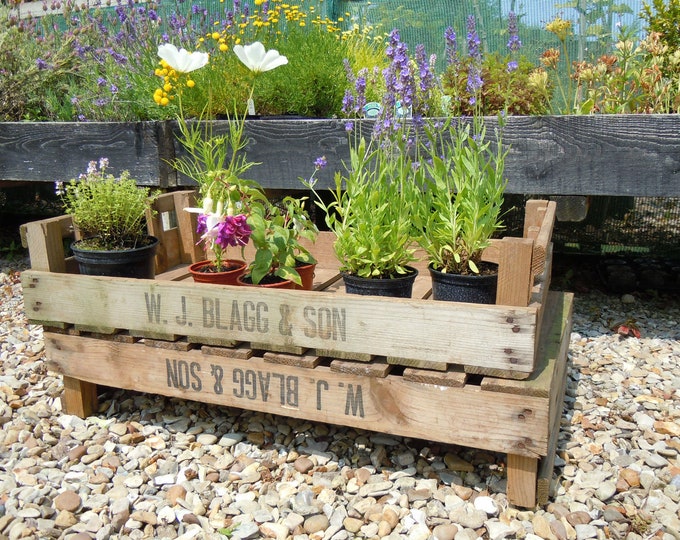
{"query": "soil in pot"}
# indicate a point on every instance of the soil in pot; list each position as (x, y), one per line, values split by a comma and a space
(268, 281)
(205, 272)
(137, 263)
(399, 287)
(474, 288)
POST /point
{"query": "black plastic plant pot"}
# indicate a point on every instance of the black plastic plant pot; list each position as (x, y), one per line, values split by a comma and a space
(132, 263)
(399, 287)
(475, 289)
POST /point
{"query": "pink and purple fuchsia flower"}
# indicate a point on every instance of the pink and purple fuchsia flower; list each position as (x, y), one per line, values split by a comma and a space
(224, 231)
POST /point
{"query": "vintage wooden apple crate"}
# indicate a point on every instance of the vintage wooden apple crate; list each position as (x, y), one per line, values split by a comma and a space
(489, 377)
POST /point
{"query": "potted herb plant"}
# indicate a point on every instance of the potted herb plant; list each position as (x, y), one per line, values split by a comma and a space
(298, 220)
(460, 209)
(217, 162)
(370, 214)
(223, 223)
(371, 208)
(110, 214)
(461, 201)
(277, 230)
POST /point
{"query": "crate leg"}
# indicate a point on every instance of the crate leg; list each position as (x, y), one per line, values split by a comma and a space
(79, 397)
(522, 478)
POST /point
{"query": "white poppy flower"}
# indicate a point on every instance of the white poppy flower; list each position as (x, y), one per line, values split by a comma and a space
(182, 60)
(257, 59)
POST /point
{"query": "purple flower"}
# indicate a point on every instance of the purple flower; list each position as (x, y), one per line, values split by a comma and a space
(514, 43)
(122, 16)
(360, 87)
(451, 48)
(41, 64)
(473, 41)
(120, 59)
(348, 71)
(348, 103)
(474, 81)
(320, 162)
(202, 224)
(153, 16)
(101, 81)
(233, 231)
(114, 89)
(512, 66)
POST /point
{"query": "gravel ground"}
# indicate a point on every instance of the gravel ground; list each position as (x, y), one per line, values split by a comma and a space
(147, 466)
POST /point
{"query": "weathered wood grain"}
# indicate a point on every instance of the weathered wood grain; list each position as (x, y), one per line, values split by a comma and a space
(389, 404)
(60, 151)
(500, 337)
(624, 155)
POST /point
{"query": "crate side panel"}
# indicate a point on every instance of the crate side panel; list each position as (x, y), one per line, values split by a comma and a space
(466, 416)
(500, 337)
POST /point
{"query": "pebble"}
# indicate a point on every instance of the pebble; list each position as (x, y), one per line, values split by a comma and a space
(148, 466)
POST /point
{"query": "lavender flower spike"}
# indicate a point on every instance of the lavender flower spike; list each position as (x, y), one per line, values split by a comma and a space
(474, 82)
(451, 50)
(514, 43)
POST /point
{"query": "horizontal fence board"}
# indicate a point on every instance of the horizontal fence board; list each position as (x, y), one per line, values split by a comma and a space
(497, 337)
(60, 151)
(620, 155)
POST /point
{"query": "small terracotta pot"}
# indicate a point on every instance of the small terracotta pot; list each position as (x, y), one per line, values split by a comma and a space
(221, 278)
(306, 272)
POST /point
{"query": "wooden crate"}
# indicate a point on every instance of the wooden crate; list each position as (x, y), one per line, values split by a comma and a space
(488, 377)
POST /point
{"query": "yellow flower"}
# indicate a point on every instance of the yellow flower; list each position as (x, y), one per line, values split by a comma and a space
(559, 27)
(164, 101)
(224, 47)
(191, 83)
(538, 79)
(216, 35)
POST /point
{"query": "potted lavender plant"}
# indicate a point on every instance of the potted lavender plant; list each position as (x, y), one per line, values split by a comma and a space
(462, 197)
(371, 212)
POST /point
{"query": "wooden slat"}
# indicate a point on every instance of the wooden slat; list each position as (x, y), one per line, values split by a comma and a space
(500, 337)
(377, 368)
(391, 404)
(306, 361)
(538, 225)
(557, 321)
(190, 249)
(514, 272)
(242, 353)
(549, 155)
(452, 377)
(45, 242)
(416, 363)
(558, 347)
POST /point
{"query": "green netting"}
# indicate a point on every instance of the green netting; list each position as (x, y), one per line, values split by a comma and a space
(596, 23)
